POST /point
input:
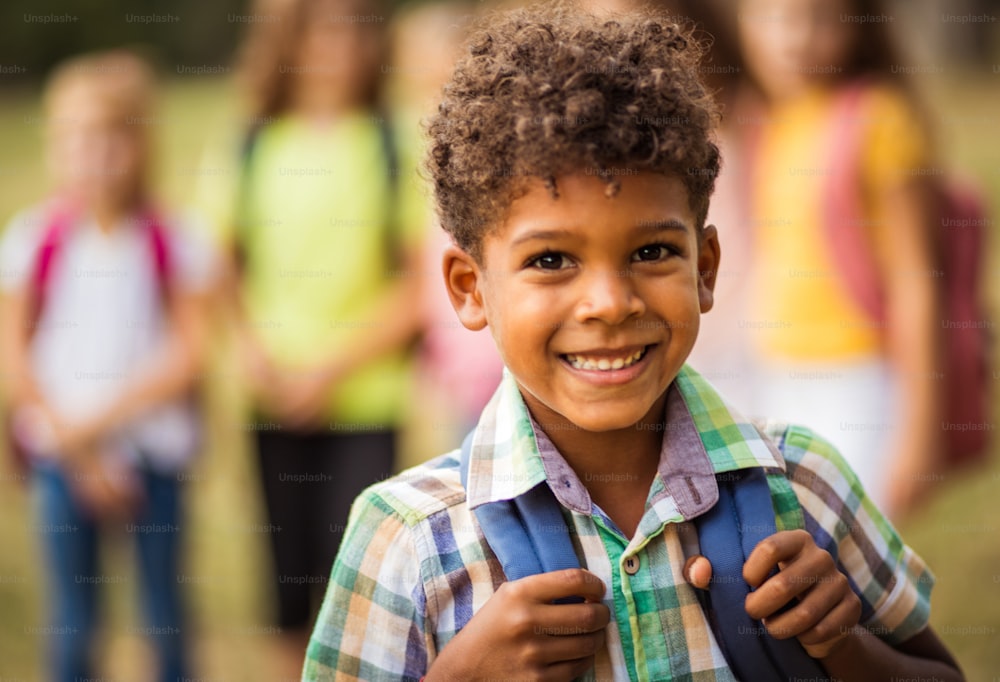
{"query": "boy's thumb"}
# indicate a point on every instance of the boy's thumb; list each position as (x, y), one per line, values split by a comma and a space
(698, 572)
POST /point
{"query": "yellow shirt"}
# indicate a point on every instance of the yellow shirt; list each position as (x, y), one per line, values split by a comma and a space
(803, 311)
(315, 214)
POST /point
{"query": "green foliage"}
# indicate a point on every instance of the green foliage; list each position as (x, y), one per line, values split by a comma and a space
(36, 35)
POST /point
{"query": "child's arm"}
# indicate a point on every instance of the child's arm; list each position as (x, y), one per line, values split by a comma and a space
(912, 314)
(520, 634)
(20, 386)
(902, 206)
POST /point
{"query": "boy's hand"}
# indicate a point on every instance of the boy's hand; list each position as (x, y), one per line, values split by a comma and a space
(826, 609)
(519, 634)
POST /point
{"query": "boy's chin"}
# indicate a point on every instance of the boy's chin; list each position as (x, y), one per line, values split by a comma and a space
(605, 421)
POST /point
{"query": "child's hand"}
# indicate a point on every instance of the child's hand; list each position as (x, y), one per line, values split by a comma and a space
(82, 436)
(827, 609)
(519, 634)
(257, 368)
(303, 398)
(106, 488)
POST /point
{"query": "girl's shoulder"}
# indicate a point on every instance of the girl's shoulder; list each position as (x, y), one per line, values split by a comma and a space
(879, 101)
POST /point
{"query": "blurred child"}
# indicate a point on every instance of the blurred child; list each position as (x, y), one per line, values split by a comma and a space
(325, 293)
(102, 334)
(864, 383)
(457, 369)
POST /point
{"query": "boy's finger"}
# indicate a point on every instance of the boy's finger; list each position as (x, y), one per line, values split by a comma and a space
(573, 647)
(571, 582)
(839, 623)
(568, 670)
(814, 606)
(806, 572)
(569, 620)
(772, 550)
(698, 572)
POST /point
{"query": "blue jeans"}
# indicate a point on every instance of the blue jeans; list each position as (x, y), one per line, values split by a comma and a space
(70, 541)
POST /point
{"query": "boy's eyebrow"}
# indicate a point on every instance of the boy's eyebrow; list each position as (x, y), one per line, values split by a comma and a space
(643, 225)
(540, 235)
(662, 225)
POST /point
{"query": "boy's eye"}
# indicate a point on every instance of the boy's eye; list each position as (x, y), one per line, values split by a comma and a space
(549, 261)
(653, 252)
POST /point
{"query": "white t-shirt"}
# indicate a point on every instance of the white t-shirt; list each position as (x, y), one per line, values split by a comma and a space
(103, 321)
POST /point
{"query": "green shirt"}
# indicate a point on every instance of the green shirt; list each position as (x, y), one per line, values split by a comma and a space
(320, 222)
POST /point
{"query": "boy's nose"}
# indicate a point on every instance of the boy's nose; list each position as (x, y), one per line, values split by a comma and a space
(608, 296)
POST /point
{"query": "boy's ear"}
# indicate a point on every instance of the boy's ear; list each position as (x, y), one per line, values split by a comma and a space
(708, 266)
(463, 279)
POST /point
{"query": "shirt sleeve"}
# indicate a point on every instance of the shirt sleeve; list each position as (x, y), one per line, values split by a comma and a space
(195, 258)
(896, 147)
(893, 582)
(370, 626)
(18, 247)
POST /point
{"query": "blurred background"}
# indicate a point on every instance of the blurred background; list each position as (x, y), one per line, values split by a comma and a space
(954, 47)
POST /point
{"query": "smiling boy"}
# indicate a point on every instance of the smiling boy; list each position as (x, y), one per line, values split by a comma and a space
(573, 163)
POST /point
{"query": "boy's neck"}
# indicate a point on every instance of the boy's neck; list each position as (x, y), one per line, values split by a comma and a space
(617, 467)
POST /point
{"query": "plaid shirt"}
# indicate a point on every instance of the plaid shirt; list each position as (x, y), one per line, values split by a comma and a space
(414, 567)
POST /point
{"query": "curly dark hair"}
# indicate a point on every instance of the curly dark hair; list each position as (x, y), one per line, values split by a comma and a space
(551, 90)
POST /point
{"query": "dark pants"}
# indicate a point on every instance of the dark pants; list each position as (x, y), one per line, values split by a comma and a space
(310, 481)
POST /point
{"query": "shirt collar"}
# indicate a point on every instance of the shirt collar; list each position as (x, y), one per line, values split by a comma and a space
(702, 437)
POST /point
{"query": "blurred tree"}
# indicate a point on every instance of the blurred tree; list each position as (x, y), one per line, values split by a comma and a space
(36, 34)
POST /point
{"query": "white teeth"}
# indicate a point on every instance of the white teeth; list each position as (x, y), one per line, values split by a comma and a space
(604, 364)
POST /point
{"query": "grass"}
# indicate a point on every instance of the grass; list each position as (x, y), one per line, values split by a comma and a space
(226, 558)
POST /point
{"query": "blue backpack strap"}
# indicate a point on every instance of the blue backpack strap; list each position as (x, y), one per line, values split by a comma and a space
(727, 533)
(528, 534)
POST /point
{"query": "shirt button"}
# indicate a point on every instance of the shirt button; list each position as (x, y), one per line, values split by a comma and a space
(632, 565)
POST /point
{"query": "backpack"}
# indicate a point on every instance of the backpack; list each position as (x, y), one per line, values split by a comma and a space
(528, 535)
(960, 239)
(44, 261)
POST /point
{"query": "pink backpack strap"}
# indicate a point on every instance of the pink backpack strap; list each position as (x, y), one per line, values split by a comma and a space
(159, 244)
(844, 226)
(60, 220)
(61, 217)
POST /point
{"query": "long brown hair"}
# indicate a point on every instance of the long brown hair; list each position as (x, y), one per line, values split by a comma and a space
(273, 41)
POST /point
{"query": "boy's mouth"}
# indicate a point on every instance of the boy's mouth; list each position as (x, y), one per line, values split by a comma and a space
(605, 362)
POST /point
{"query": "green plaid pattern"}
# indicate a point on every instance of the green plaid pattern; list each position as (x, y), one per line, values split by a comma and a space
(414, 567)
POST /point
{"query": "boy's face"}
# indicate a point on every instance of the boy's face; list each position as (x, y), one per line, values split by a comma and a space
(593, 301)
